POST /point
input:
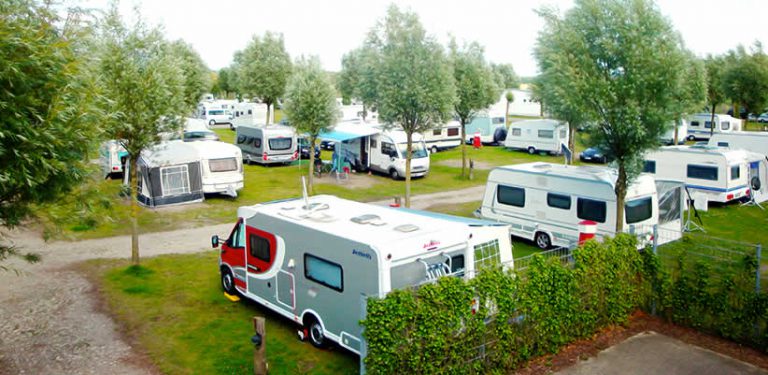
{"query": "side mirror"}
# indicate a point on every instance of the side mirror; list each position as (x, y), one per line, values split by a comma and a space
(215, 241)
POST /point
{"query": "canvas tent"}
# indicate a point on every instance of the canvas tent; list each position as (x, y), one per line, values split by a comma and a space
(169, 173)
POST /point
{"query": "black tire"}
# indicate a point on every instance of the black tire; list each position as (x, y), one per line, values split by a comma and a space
(691, 138)
(755, 184)
(212, 122)
(315, 333)
(393, 173)
(531, 150)
(228, 282)
(542, 241)
(434, 149)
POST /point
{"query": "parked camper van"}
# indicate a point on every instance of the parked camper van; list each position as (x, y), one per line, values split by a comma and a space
(215, 116)
(444, 137)
(221, 166)
(545, 202)
(388, 152)
(720, 174)
(112, 158)
(537, 135)
(311, 260)
(169, 173)
(700, 125)
(682, 133)
(487, 124)
(267, 144)
(751, 141)
(250, 114)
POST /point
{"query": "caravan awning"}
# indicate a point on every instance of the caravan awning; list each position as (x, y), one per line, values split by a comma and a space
(346, 131)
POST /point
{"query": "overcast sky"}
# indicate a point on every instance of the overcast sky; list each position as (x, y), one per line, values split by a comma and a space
(507, 28)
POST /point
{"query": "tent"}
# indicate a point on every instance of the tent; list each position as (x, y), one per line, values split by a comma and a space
(169, 173)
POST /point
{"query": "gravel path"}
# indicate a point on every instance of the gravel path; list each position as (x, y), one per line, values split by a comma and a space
(50, 319)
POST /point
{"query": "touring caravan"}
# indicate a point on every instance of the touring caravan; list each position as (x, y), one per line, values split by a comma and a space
(221, 167)
(312, 260)
(443, 137)
(250, 114)
(268, 144)
(537, 135)
(169, 173)
(700, 125)
(112, 158)
(489, 125)
(545, 202)
(388, 152)
(682, 133)
(751, 141)
(719, 174)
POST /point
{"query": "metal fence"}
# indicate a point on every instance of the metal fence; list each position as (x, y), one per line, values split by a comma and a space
(565, 254)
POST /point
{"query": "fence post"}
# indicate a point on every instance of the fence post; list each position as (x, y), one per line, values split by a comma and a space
(759, 249)
(632, 229)
(655, 238)
(363, 343)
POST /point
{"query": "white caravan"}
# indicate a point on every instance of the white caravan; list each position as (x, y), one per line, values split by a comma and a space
(545, 202)
(489, 124)
(221, 166)
(751, 141)
(700, 125)
(388, 152)
(715, 173)
(537, 135)
(112, 158)
(312, 260)
(442, 138)
(250, 114)
(682, 133)
(268, 144)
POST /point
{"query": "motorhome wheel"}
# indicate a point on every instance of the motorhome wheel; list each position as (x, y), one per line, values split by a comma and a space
(212, 122)
(434, 149)
(691, 138)
(543, 241)
(228, 282)
(531, 150)
(316, 335)
(393, 173)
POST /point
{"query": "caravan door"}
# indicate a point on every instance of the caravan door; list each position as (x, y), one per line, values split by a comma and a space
(758, 179)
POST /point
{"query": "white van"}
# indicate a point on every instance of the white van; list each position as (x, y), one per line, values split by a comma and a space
(444, 137)
(388, 153)
(221, 166)
(268, 144)
(751, 141)
(545, 202)
(537, 135)
(312, 260)
(490, 125)
(700, 125)
(215, 116)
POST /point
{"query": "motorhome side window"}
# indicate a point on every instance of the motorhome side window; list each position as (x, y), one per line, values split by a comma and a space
(388, 149)
(511, 196)
(735, 172)
(257, 142)
(559, 201)
(452, 132)
(437, 131)
(708, 124)
(260, 248)
(725, 125)
(324, 272)
(638, 210)
(695, 123)
(516, 132)
(237, 237)
(589, 209)
(649, 166)
(702, 172)
(546, 134)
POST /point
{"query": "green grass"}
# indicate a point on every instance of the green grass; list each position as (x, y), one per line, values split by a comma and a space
(175, 310)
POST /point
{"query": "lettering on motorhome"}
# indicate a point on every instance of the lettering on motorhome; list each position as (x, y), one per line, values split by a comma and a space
(432, 243)
(361, 254)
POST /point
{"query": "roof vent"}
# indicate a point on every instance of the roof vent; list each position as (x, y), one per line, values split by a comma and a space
(406, 228)
(368, 219)
(315, 206)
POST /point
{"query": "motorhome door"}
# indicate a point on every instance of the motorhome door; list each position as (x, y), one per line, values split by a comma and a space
(262, 249)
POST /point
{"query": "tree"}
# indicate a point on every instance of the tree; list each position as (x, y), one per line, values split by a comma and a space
(745, 79)
(197, 79)
(626, 63)
(358, 74)
(714, 66)
(48, 121)
(510, 97)
(310, 103)
(226, 81)
(143, 84)
(476, 88)
(505, 76)
(263, 68)
(414, 81)
(557, 94)
(691, 94)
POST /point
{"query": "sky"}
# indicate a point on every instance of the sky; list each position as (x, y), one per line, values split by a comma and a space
(329, 28)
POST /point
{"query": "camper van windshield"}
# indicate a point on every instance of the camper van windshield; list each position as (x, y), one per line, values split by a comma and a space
(216, 112)
(419, 151)
(280, 143)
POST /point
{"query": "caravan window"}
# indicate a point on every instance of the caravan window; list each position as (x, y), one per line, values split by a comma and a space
(497, 120)
(638, 210)
(324, 272)
(588, 209)
(694, 123)
(702, 172)
(649, 166)
(256, 142)
(260, 248)
(487, 254)
(722, 144)
(279, 144)
(516, 132)
(708, 124)
(222, 165)
(437, 132)
(452, 132)
(546, 134)
(174, 180)
(511, 196)
(725, 125)
(735, 172)
(559, 201)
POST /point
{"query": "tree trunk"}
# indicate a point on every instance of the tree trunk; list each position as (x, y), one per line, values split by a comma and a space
(712, 121)
(572, 140)
(365, 112)
(621, 192)
(463, 148)
(506, 116)
(408, 155)
(133, 185)
(310, 185)
(268, 105)
(676, 136)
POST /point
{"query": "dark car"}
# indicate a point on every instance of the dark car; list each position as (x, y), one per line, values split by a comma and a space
(304, 149)
(327, 145)
(200, 135)
(593, 155)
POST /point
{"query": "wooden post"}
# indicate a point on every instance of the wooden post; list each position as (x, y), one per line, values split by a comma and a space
(471, 169)
(260, 351)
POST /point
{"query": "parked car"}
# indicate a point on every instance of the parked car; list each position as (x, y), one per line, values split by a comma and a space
(593, 155)
(304, 149)
(200, 135)
(327, 145)
(763, 118)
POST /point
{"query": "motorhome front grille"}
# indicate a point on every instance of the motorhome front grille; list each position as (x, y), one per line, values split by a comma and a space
(223, 165)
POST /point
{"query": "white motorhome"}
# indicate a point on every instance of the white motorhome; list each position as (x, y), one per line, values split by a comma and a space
(388, 152)
(751, 141)
(112, 158)
(250, 114)
(545, 202)
(682, 133)
(537, 135)
(221, 166)
(717, 173)
(700, 125)
(444, 137)
(312, 260)
(267, 144)
(489, 124)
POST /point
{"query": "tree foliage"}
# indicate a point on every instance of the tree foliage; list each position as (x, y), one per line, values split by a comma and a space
(197, 77)
(505, 76)
(227, 81)
(476, 87)
(358, 79)
(263, 69)
(310, 103)
(745, 79)
(626, 63)
(48, 121)
(691, 93)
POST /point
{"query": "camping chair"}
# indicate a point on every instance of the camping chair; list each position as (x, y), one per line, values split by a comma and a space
(343, 174)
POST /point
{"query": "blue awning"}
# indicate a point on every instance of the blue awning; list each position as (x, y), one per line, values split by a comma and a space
(347, 131)
(339, 136)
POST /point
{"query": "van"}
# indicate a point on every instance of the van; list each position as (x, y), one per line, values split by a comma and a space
(537, 135)
(112, 158)
(443, 137)
(313, 260)
(490, 125)
(388, 152)
(221, 166)
(267, 144)
(544, 202)
(700, 125)
(215, 116)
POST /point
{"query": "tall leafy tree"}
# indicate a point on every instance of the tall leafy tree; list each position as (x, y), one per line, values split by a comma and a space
(310, 103)
(625, 62)
(505, 76)
(226, 81)
(691, 94)
(714, 66)
(414, 79)
(358, 74)
(197, 78)
(476, 87)
(48, 119)
(557, 94)
(745, 79)
(143, 85)
(263, 68)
